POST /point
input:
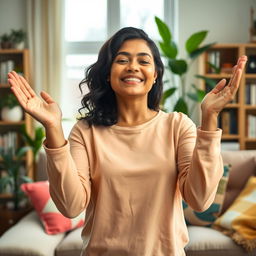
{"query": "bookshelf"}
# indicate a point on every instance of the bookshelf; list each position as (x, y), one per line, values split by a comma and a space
(238, 119)
(13, 59)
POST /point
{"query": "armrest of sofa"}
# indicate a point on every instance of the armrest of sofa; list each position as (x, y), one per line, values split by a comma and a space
(28, 237)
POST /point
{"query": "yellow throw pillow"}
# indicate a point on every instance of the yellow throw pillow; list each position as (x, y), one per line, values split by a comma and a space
(239, 221)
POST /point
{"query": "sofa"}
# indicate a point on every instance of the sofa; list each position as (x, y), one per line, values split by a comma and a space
(27, 237)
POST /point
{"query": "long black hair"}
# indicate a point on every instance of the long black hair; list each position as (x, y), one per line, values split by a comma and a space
(100, 102)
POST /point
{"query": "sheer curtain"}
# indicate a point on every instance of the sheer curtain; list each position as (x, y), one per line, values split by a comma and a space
(46, 43)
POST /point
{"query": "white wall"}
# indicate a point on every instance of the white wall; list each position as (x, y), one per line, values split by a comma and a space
(12, 15)
(228, 21)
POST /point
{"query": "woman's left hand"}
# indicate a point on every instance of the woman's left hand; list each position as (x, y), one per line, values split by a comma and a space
(222, 94)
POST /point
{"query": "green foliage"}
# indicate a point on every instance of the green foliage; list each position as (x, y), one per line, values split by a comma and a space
(5, 37)
(9, 101)
(35, 143)
(180, 67)
(11, 163)
(18, 35)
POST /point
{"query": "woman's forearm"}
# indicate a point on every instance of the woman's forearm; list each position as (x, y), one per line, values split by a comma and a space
(55, 136)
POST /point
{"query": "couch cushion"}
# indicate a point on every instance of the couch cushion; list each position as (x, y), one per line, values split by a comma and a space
(243, 166)
(239, 221)
(54, 222)
(206, 241)
(71, 245)
(27, 237)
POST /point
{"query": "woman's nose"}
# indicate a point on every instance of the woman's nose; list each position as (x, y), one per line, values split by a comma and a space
(132, 66)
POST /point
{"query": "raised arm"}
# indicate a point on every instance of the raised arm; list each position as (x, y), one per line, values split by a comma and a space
(220, 96)
(45, 110)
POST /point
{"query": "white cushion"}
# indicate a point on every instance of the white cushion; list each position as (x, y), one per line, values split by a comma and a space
(28, 237)
(205, 241)
(71, 244)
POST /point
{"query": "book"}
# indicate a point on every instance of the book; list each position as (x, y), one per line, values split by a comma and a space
(225, 122)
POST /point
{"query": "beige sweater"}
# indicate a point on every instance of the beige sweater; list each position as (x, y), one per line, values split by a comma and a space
(131, 181)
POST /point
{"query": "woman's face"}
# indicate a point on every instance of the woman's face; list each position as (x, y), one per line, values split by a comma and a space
(133, 70)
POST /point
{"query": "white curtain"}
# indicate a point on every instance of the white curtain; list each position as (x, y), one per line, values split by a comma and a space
(45, 20)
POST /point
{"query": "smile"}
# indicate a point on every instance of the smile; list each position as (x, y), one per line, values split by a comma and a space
(132, 79)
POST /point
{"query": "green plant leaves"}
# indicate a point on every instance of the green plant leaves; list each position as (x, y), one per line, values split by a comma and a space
(195, 40)
(36, 142)
(210, 82)
(178, 67)
(168, 93)
(164, 31)
(199, 51)
(170, 50)
(198, 95)
(214, 67)
(181, 106)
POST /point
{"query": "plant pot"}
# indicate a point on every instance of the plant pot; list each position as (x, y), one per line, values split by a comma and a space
(20, 45)
(15, 114)
(6, 45)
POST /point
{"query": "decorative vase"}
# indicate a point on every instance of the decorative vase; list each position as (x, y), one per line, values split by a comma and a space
(14, 114)
(20, 45)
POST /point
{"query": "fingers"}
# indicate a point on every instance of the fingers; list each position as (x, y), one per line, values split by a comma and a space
(46, 97)
(234, 83)
(18, 81)
(219, 87)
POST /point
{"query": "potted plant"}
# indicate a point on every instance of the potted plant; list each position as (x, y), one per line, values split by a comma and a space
(11, 174)
(33, 142)
(180, 67)
(11, 109)
(18, 38)
(6, 41)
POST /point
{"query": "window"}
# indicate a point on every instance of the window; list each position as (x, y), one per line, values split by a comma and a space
(88, 24)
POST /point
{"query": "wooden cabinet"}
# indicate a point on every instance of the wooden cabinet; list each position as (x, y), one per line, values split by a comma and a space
(238, 119)
(12, 59)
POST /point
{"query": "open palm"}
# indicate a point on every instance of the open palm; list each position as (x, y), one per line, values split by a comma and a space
(222, 94)
(45, 110)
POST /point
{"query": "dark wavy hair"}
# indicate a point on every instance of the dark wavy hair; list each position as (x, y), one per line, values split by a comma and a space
(99, 103)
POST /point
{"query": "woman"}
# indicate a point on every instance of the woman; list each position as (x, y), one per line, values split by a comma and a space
(126, 162)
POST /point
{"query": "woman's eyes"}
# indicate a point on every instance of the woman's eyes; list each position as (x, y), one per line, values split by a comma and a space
(121, 61)
(124, 61)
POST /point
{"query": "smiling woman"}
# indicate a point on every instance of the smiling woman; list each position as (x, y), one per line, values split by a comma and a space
(127, 163)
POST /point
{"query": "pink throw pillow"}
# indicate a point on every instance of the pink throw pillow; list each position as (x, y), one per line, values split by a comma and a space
(53, 221)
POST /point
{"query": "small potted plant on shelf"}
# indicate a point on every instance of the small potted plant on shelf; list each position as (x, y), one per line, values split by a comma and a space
(12, 175)
(6, 41)
(11, 109)
(18, 38)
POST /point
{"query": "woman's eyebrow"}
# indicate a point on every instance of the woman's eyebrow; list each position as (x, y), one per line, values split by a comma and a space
(138, 54)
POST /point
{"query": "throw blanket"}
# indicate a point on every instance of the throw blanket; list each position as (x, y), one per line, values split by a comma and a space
(239, 221)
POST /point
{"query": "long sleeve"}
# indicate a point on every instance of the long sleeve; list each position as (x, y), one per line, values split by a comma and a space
(200, 169)
(68, 173)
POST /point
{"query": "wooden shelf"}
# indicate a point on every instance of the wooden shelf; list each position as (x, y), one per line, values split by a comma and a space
(252, 107)
(250, 76)
(11, 123)
(4, 86)
(218, 76)
(234, 117)
(233, 105)
(250, 139)
(230, 137)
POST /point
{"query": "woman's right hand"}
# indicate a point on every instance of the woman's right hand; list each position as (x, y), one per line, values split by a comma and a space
(45, 110)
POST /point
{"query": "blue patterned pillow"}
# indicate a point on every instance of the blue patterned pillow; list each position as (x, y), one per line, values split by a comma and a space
(207, 217)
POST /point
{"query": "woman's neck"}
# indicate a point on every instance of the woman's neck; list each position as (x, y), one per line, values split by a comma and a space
(134, 114)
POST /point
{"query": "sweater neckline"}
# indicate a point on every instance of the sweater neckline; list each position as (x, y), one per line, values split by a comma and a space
(137, 127)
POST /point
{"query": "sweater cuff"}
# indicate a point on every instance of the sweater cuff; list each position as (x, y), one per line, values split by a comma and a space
(51, 151)
(209, 134)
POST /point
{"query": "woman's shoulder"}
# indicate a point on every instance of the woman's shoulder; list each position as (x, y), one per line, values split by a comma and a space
(178, 121)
